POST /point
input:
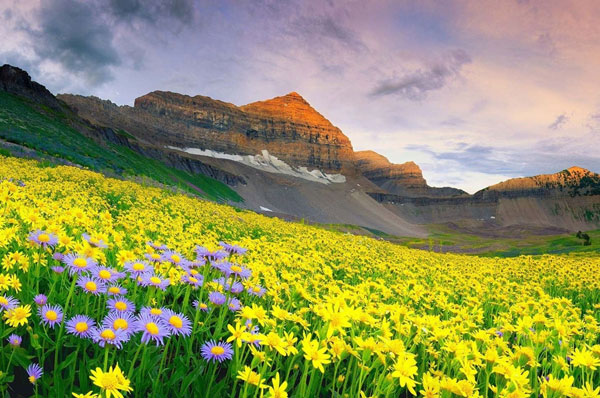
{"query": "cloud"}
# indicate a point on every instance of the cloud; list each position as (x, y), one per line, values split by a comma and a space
(417, 84)
(560, 121)
(72, 34)
(153, 11)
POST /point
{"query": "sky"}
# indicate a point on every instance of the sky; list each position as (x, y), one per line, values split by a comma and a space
(474, 91)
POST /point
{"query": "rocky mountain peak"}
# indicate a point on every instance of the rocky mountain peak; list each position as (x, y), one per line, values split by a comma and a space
(16, 81)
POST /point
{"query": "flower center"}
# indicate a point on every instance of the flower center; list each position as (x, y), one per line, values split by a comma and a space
(32, 379)
(175, 258)
(152, 328)
(51, 315)
(109, 381)
(104, 274)
(91, 286)
(193, 280)
(236, 268)
(114, 290)
(81, 327)
(44, 238)
(138, 267)
(155, 256)
(256, 289)
(176, 321)
(120, 323)
(155, 280)
(217, 350)
(121, 306)
(80, 262)
(3, 301)
(155, 311)
(108, 334)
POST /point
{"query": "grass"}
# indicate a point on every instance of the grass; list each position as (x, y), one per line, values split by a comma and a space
(50, 133)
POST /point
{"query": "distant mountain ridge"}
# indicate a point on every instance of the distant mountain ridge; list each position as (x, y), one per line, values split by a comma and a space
(281, 156)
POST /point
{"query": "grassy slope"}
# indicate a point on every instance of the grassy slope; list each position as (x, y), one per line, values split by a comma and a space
(49, 133)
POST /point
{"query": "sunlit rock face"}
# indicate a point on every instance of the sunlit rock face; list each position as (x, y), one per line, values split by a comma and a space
(287, 127)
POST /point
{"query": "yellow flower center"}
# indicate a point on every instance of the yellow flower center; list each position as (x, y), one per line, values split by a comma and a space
(193, 272)
(107, 334)
(3, 301)
(256, 289)
(114, 290)
(51, 315)
(138, 267)
(155, 256)
(152, 328)
(176, 321)
(19, 313)
(43, 238)
(104, 274)
(120, 323)
(81, 327)
(32, 379)
(91, 286)
(155, 280)
(236, 268)
(193, 280)
(80, 262)
(175, 258)
(120, 305)
(217, 350)
(155, 311)
(109, 381)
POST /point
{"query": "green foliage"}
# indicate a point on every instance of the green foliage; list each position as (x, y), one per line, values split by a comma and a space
(50, 133)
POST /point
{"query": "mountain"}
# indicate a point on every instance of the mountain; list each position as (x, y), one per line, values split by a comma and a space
(287, 127)
(279, 157)
(404, 179)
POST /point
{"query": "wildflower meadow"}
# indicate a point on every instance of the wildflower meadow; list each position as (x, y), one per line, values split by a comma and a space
(113, 289)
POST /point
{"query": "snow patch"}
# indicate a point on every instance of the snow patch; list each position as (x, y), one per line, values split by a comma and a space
(265, 208)
(268, 163)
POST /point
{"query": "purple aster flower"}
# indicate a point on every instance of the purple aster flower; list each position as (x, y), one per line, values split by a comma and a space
(80, 326)
(15, 340)
(155, 281)
(218, 255)
(58, 269)
(234, 304)
(94, 242)
(58, 256)
(106, 274)
(499, 333)
(178, 324)
(233, 249)
(43, 238)
(200, 306)
(196, 280)
(152, 311)
(116, 290)
(123, 321)
(8, 303)
(241, 271)
(236, 288)
(217, 298)
(257, 290)
(152, 328)
(174, 258)
(78, 264)
(138, 267)
(40, 300)
(216, 351)
(34, 371)
(120, 304)
(154, 257)
(201, 252)
(92, 285)
(157, 246)
(103, 336)
(51, 315)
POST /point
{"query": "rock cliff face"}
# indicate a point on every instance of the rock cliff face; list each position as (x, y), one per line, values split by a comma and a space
(574, 181)
(404, 179)
(16, 81)
(288, 127)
